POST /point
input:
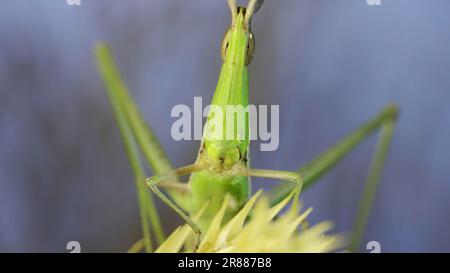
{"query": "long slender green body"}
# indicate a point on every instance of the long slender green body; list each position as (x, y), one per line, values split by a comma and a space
(221, 169)
(213, 184)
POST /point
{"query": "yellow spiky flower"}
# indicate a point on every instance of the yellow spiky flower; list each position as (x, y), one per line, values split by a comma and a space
(262, 232)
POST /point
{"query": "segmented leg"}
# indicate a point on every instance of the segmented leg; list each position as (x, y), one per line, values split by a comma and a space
(293, 177)
(167, 178)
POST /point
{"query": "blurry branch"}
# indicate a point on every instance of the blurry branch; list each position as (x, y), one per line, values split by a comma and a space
(127, 117)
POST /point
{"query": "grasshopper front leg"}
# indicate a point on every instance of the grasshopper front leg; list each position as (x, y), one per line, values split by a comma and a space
(293, 177)
(165, 180)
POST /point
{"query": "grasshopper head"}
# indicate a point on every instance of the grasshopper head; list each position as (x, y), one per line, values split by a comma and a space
(240, 35)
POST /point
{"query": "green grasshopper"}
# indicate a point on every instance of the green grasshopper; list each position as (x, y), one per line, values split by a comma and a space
(222, 166)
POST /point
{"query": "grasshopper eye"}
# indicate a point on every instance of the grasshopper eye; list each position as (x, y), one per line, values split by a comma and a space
(225, 43)
(250, 49)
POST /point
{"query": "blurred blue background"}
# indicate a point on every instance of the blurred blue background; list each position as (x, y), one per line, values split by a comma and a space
(330, 65)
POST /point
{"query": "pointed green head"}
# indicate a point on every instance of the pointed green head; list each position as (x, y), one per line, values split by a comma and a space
(239, 44)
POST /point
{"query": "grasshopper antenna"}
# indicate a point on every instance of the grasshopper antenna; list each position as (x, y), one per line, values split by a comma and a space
(252, 8)
(233, 8)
